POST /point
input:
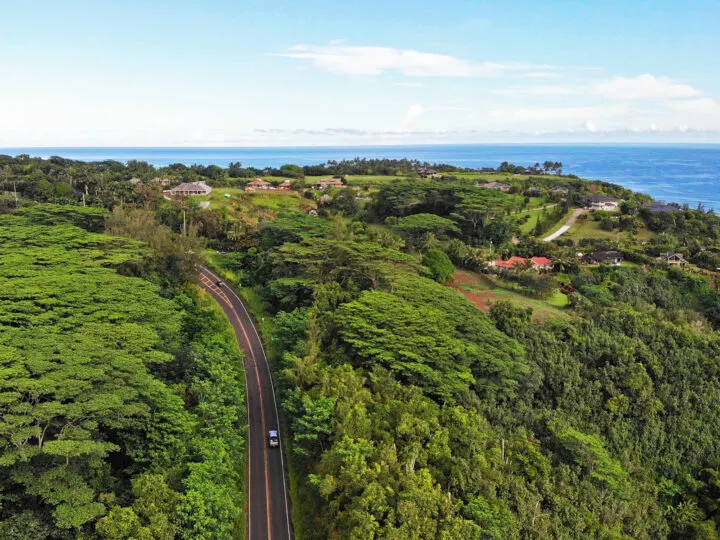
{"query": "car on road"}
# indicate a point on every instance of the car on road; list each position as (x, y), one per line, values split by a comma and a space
(273, 438)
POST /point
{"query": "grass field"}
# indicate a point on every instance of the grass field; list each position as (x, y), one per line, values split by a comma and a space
(589, 228)
(483, 291)
(495, 177)
(273, 201)
(559, 224)
(533, 216)
(372, 181)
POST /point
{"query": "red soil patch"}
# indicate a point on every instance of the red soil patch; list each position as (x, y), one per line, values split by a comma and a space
(480, 299)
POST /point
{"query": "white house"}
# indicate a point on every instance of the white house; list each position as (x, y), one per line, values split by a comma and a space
(601, 202)
(190, 188)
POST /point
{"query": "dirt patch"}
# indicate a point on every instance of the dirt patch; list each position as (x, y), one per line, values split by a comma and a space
(484, 293)
(483, 300)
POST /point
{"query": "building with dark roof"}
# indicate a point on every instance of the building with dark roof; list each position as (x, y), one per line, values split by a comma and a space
(661, 207)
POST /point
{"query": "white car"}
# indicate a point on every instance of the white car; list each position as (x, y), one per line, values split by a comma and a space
(273, 438)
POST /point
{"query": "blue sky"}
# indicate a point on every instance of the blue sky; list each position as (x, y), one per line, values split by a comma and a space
(236, 73)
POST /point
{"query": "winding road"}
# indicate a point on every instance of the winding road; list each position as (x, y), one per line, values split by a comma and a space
(268, 513)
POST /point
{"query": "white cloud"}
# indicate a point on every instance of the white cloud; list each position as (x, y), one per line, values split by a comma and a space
(409, 84)
(590, 127)
(414, 112)
(541, 74)
(535, 91)
(699, 106)
(644, 86)
(555, 114)
(379, 60)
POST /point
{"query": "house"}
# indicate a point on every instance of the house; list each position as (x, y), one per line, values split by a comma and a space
(604, 257)
(161, 181)
(558, 191)
(537, 263)
(660, 207)
(425, 172)
(494, 185)
(325, 183)
(541, 263)
(259, 183)
(189, 188)
(286, 185)
(672, 258)
(135, 181)
(601, 202)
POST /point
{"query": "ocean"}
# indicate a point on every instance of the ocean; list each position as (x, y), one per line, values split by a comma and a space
(670, 173)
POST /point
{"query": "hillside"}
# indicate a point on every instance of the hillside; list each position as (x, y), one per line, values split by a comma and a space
(443, 371)
(122, 402)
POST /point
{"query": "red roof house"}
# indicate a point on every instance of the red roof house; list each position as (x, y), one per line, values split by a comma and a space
(538, 263)
(541, 263)
(259, 183)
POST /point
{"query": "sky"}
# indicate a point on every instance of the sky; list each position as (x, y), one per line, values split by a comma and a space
(258, 73)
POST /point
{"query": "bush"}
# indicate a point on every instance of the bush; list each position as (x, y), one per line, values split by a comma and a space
(440, 266)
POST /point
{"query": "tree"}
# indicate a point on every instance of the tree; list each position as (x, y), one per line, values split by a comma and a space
(440, 266)
(292, 171)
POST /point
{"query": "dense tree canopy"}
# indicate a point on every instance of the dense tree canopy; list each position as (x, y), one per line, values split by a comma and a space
(111, 401)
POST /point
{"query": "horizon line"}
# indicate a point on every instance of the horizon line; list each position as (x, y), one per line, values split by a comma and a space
(406, 145)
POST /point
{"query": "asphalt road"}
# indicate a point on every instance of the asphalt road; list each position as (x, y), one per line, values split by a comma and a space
(268, 512)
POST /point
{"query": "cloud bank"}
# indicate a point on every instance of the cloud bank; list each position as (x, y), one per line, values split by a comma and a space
(411, 63)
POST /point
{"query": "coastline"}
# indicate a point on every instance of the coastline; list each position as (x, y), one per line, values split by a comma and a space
(684, 173)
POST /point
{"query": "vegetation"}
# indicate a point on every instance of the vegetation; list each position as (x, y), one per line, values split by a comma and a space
(122, 402)
(401, 396)
(411, 413)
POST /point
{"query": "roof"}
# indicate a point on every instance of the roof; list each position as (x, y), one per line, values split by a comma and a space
(191, 187)
(605, 255)
(541, 261)
(660, 207)
(494, 185)
(600, 199)
(329, 181)
(667, 256)
(514, 261)
(258, 182)
(333, 182)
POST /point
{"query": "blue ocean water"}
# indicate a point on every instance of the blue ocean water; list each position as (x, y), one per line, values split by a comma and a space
(670, 173)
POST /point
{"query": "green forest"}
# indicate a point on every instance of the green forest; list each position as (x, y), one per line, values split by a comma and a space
(411, 409)
(121, 395)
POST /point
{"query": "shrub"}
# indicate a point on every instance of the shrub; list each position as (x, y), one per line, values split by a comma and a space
(440, 266)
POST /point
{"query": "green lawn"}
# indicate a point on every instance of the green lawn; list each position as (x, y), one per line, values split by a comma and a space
(589, 228)
(529, 225)
(562, 221)
(481, 289)
(372, 181)
(495, 177)
(268, 200)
